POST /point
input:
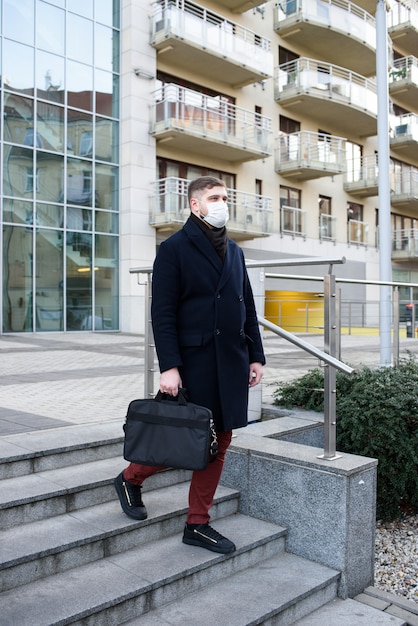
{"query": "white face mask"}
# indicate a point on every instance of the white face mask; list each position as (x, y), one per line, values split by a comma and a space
(218, 214)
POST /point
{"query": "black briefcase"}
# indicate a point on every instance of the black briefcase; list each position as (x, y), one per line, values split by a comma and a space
(169, 432)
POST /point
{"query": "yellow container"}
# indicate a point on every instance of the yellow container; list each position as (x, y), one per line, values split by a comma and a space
(295, 311)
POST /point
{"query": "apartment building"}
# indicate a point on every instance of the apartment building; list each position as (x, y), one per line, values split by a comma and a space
(109, 107)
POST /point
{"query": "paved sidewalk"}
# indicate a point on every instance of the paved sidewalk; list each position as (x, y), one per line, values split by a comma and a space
(51, 379)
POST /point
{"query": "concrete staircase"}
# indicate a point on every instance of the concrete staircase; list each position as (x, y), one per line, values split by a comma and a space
(70, 556)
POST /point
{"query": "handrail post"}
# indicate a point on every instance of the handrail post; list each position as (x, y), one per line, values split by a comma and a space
(395, 315)
(148, 340)
(330, 347)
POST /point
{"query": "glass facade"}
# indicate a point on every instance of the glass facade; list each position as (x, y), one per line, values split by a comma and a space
(59, 164)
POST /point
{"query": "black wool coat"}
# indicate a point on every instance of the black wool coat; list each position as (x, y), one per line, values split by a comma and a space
(205, 323)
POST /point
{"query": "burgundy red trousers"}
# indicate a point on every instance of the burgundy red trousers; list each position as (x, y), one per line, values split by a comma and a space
(203, 484)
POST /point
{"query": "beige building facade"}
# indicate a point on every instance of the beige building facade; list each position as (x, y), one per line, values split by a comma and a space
(278, 99)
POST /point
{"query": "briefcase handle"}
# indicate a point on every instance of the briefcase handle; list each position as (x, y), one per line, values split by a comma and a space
(181, 398)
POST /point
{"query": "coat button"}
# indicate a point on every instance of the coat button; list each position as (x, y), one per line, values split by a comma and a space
(241, 332)
(217, 331)
(240, 298)
(218, 295)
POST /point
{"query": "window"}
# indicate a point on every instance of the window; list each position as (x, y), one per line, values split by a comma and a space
(30, 138)
(357, 229)
(30, 186)
(326, 220)
(86, 143)
(287, 125)
(87, 181)
(291, 215)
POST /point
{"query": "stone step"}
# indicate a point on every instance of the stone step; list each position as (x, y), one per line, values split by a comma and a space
(25, 499)
(74, 539)
(38, 451)
(349, 613)
(120, 587)
(278, 590)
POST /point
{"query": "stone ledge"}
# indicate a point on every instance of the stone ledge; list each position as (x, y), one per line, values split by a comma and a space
(390, 603)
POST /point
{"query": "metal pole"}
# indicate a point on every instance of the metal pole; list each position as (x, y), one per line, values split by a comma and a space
(383, 181)
(338, 322)
(396, 325)
(330, 347)
(149, 342)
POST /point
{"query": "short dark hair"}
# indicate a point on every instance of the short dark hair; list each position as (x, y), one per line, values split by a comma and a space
(202, 183)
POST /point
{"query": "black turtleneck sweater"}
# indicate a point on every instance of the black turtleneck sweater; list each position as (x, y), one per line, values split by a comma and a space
(217, 236)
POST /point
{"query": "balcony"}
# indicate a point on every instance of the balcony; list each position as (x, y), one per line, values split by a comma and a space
(327, 227)
(307, 155)
(404, 136)
(403, 83)
(250, 215)
(240, 6)
(405, 244)
(190, 37)
(357, 233)
(404, 190)
(367, 5)
(335, 29)
(292, 221)
(328, 92)
(362, 175)
(402, 24)
(189, 120)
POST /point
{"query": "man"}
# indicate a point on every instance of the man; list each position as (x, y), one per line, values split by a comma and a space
(207, 340)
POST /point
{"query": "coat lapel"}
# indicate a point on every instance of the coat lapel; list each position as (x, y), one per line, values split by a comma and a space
(203, 244)
(230, 264)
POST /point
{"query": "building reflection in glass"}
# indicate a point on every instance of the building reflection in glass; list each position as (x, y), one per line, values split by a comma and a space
(59, 169)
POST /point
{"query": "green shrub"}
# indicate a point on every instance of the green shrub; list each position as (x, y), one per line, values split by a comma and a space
(377, 416)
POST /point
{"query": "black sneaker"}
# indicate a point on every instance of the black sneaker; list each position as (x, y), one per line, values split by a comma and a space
(205, 536)
(130, 498)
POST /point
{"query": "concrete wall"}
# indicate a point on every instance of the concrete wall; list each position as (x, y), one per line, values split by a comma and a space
(329, 507)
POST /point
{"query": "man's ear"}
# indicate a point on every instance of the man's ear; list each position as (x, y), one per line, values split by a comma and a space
(194, 205)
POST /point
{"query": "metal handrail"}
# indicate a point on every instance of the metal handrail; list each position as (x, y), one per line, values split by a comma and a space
(300, 343)
(328, 356)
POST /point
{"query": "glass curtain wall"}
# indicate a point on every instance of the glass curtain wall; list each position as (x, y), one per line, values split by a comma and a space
(59, 158)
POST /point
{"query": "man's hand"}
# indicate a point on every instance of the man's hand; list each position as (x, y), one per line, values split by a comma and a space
(256, 374)
(170, 382)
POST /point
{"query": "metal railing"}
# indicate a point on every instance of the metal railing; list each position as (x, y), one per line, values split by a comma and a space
(405, 125)
(210, 117)
(248, 212)
(338, 15)
(327, 356)
(357, 233)
(403, 13)
(321, 78)
(292, 221)
(217, 34)
(309, 149)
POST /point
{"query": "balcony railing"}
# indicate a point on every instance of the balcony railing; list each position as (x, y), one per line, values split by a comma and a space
(325, 90)
(292, 221)
(194, 121)
(327, 227)
(362, 176)
(323, 26)
(357, 233)
(307, 155)
(404, 135)
(190, 36)
(403, 82)
(404, 189)
(402, 24)
(250, 215)
(405, 244)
